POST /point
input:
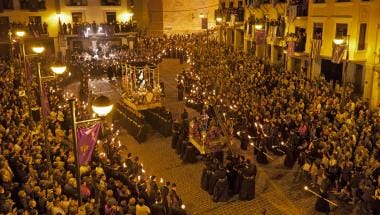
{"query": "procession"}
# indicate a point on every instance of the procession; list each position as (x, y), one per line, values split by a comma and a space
(217, 107)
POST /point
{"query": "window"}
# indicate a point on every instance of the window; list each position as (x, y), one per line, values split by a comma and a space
(110, 2)
(111, 17)
(341, 30)
(343, 0)
(362, 35)
(231, 4)
(35, 19)
(240, 3)
(8, 4)
(317, 30)
(77, 17)
(32, 5)
(76, 2)
(319, 1)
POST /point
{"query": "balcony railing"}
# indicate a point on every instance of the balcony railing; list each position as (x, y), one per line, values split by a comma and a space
(32, 5)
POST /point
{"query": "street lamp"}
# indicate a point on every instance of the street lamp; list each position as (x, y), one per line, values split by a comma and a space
(341, 41)
(39, 50)
(102, 106)
(20, 33)
(258, 26)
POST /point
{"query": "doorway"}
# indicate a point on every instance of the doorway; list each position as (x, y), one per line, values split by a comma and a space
(331, 71)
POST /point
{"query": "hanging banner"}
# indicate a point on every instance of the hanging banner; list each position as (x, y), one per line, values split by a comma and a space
(87, 138)
(290, 50)
(338, 53)
(260, 37)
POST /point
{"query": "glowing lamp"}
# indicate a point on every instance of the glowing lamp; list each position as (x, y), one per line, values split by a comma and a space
(218, 19)
(38, 49)
(20, 33)
(258, 26)
(338, 41)
(102, 106)
(201, 16)
(58, 68)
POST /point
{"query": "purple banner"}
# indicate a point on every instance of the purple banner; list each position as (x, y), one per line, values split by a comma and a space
(260, 37)
(87, 138)
(46, 101)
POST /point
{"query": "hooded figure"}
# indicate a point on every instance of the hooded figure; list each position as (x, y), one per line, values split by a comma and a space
(247, 190)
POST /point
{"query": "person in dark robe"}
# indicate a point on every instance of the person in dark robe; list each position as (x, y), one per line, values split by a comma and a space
(180, 91)
(220, 193)
(247, 190)
(237, 180)
(164, 195)
(290, 158)
(213, 178)
(153, 191)
(244, 140)
(206, 169)
(176, 133)
(321, 204)
(260, 150)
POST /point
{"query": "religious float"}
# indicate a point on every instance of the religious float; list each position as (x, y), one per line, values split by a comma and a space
(207, 135)
(140, 107)
(141, 85)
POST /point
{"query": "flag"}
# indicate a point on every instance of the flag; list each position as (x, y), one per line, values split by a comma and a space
(260, 37)
(338, 52)
(272, 34)
(292, 12)
(87, 138)
(46, 101)
(290, 50)
(315, 52)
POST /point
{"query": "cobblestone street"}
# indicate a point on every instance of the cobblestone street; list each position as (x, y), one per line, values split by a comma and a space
(276, 193)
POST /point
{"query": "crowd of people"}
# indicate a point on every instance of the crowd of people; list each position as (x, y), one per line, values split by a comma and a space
(29, 184)
(334, 138)
(83, 29)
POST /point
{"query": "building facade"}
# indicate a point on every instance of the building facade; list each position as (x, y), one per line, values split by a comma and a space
(63, 24)
(268, 27)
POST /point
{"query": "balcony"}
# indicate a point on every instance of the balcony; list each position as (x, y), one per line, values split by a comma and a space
(32, 5)
(76, 2)
(302, 7)
(110, 2)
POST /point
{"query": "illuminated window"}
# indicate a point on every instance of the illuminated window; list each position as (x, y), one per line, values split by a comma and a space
(111, 17)
(77, 17)
(32, 5)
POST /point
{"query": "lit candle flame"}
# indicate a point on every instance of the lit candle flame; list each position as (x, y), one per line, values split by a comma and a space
(161, 180)
(183, 206)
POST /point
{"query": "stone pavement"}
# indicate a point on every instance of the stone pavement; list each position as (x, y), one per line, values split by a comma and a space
(276, 193)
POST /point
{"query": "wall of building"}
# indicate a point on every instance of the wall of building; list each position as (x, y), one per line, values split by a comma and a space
(182, 16)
